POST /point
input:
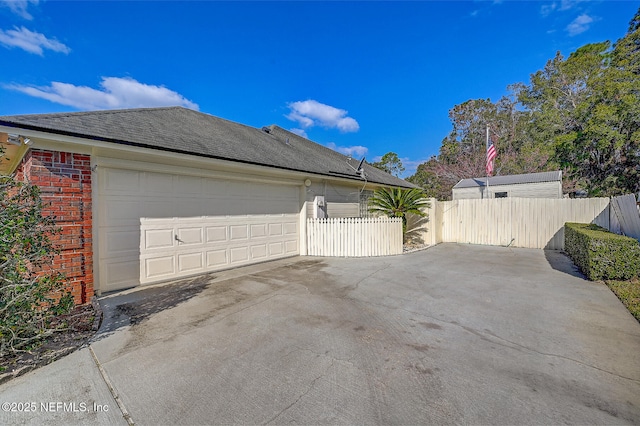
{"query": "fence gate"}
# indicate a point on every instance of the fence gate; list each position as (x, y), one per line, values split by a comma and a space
(354, 237)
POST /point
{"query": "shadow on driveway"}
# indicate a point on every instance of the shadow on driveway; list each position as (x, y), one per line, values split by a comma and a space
(134, 307)
(560, 261)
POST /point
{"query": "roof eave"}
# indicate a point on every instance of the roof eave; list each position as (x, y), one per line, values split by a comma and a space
(10, 167)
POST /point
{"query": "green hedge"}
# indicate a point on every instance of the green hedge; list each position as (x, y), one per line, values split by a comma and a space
(600, 254)
(629, 294)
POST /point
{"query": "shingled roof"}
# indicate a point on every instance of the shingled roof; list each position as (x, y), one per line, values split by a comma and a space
(181, 130)
(555, 176)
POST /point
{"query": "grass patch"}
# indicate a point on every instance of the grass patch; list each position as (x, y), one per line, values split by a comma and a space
(629, 294)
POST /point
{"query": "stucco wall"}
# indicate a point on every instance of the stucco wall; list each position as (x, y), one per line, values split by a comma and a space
(342, 199)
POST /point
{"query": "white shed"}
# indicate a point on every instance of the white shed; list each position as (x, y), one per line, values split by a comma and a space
(530, 185)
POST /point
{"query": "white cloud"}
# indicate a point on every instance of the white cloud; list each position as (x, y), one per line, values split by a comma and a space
(547, 9)
(19, 7)
(299, 132)
(353, 151)
(311, 113)
(411, 165)
(579, 25)
(562, 6)
(30, 41)
(115, 93)
(569, 4)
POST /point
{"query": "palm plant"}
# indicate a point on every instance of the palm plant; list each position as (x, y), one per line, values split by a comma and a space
(397, 202)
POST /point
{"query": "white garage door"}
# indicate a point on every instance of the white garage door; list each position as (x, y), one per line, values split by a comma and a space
(158, 226)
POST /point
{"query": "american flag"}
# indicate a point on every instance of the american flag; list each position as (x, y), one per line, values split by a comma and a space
(491, 155)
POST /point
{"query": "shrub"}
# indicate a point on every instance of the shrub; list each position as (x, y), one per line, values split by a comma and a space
(600, 254)
(629, 294)
(398, 202)
(31, 294)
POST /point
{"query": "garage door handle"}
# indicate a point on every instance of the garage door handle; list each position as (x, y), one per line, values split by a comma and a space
(175, 236)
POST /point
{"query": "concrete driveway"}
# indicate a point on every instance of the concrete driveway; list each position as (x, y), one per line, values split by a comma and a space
(452, 334)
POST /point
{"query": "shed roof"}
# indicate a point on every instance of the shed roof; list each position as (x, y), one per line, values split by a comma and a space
(182, 130)
(555, 176)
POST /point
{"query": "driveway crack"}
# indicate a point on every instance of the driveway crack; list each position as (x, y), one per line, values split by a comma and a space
(313, 382)
(518, 345)
(384, 266)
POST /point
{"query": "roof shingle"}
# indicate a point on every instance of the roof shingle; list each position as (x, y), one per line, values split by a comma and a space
(182, 130)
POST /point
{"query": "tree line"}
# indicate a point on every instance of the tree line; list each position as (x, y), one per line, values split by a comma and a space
(579, 114)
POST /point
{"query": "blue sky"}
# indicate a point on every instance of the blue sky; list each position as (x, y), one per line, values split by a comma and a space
(363, 78)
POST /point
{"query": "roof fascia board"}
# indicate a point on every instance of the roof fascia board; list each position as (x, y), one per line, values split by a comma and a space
(15, 156)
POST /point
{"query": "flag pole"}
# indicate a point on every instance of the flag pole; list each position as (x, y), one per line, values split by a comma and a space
(486, 169)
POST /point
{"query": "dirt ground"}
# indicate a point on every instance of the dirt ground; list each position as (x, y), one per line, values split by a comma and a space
(83, 322)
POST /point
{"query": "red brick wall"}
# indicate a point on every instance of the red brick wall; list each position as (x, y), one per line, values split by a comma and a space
(65, 183)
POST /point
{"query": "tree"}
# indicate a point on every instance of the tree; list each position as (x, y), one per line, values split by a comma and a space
(397, 202)
(390, 163)
(427, 178)
(557, 98)
(626, 53)
(585, 108)
(579, 114)
(463, 152)
(30, 294)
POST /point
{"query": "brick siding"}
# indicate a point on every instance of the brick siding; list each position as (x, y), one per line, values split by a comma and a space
(65, 183)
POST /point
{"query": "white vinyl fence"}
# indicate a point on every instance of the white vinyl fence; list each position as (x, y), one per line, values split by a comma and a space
(517, 222)
(354, 237)
(625, 218)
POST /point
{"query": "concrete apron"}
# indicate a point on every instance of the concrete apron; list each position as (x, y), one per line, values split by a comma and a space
(453, 334)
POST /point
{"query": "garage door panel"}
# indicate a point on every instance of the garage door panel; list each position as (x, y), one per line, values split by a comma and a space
(188, 185)
(291, 246)
(290, 228)
(238, 232)
(125, 241)
(216, 234)
(275, 229)
(220, 207)
(218, 224)
(258, 230)
(188, 208)
(158, 183)
(158, 239)
(217, 258)
(120, 212)
(213, 208)
(160, 266)
(214, 188)
(190, 262)
(120, 274)
(239, 254)
(276, 249)
(259, 251)
(190, 236)
(157, 209)
(119, 181)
